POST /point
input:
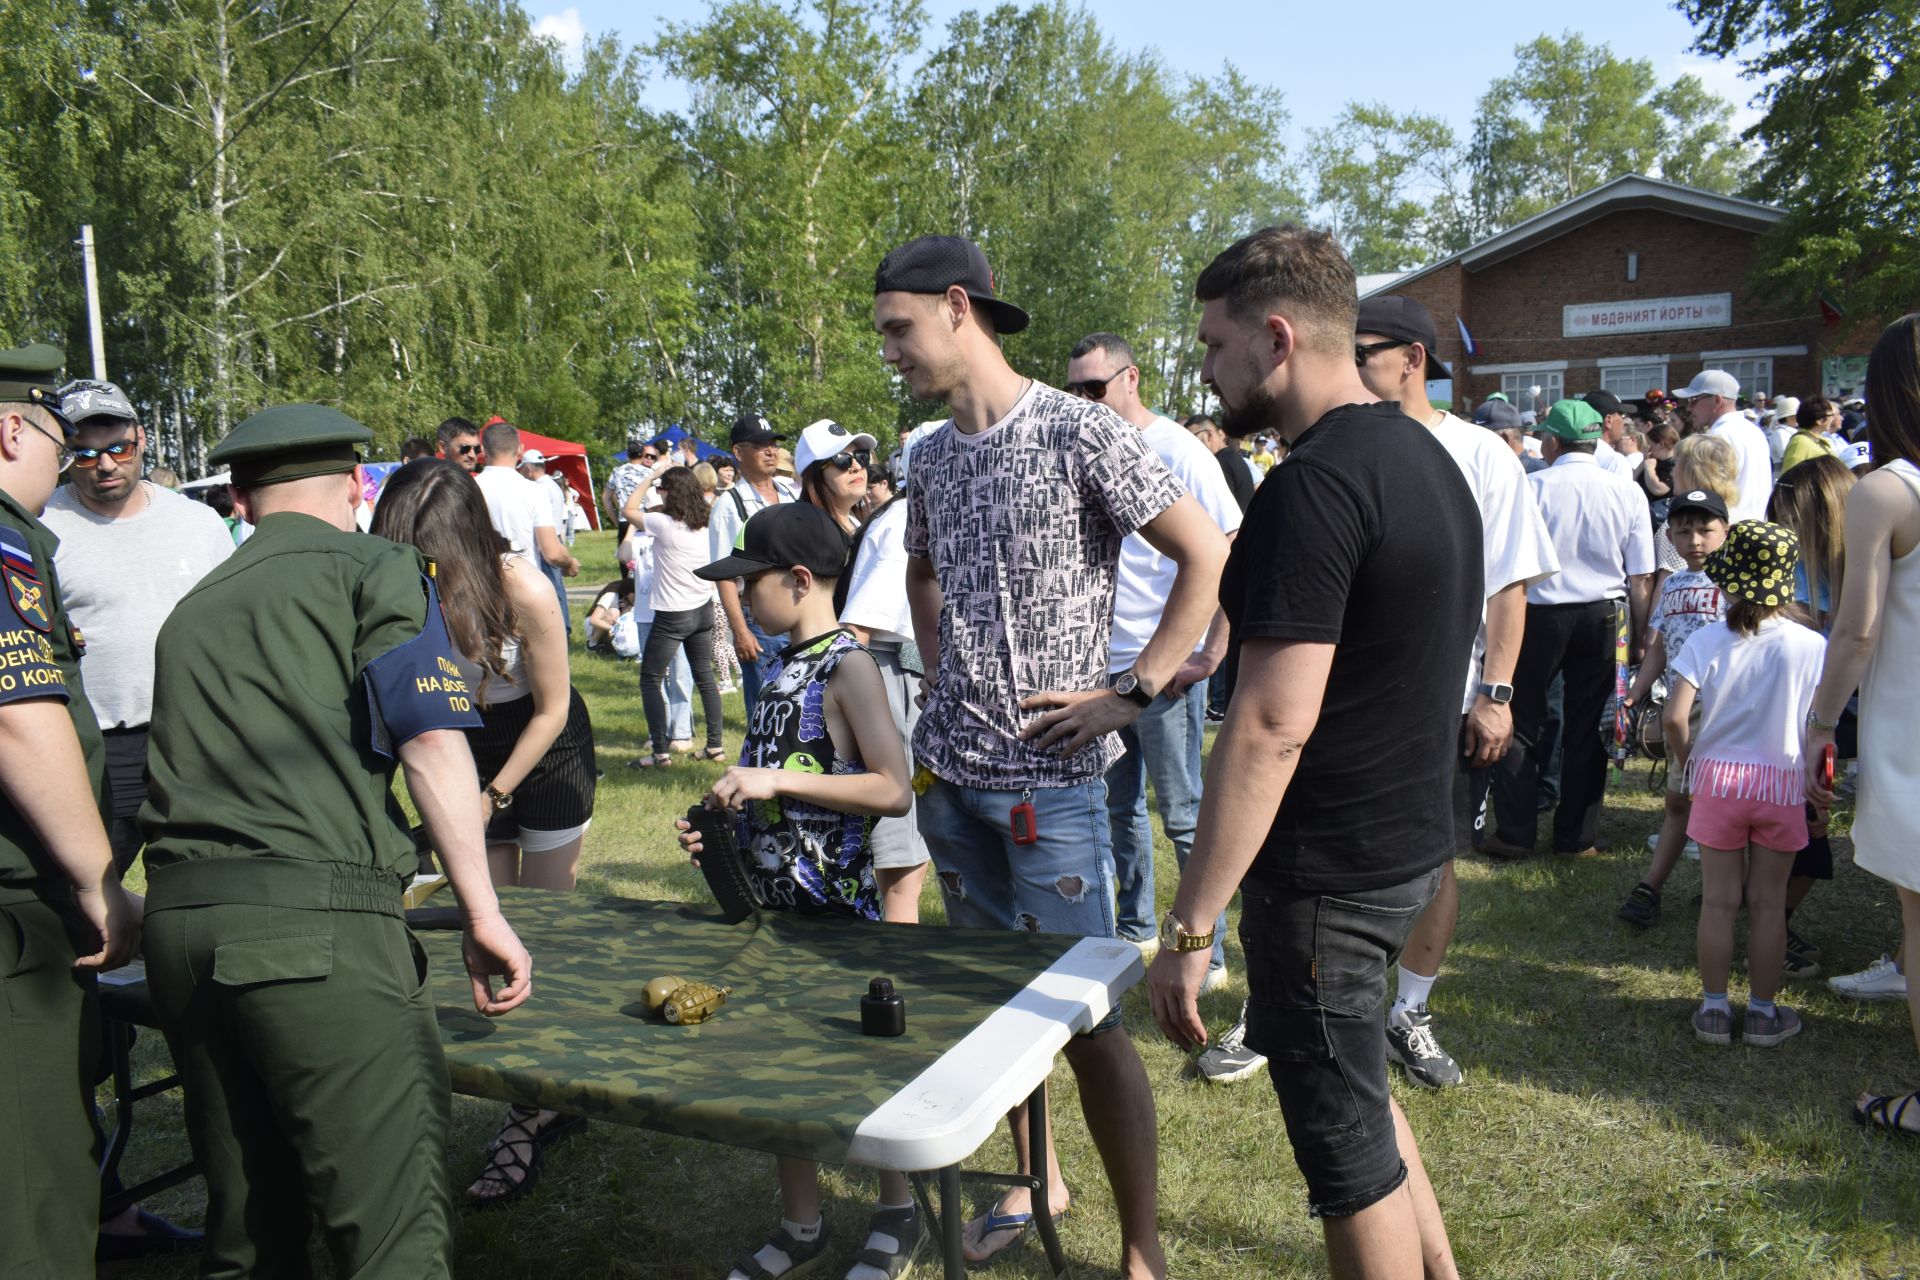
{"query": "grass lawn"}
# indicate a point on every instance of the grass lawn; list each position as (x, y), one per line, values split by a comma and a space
(1594, 1136)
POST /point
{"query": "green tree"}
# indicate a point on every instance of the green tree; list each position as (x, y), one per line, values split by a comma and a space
(1840, 84)
(1385, 185)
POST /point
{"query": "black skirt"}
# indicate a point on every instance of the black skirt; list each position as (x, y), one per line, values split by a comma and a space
(558, 794)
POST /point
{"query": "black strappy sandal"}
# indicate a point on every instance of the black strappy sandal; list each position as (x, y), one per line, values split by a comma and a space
(504, 1156)
(910, 1237)
(1881, 1113)
(802, 1257)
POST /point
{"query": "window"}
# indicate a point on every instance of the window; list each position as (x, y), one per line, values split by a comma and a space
(1519, 389)
(1631, 381)
(1754, 375)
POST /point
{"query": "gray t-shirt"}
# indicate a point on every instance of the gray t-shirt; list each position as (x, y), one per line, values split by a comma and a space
(1023, 523)
(121, 579)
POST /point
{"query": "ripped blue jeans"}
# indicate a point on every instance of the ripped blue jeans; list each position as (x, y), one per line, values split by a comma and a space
(1058, 884)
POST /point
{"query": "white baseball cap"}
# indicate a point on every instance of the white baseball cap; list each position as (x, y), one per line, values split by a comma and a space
(1858, 454)
(826, 439)
(1710, 382)
(533, 458)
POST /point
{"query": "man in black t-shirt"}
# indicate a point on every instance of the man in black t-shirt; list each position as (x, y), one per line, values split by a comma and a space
(1354, 593)
(1232, 462)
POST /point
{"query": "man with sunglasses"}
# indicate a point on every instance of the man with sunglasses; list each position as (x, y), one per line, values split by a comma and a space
(1712, 401)
(63, 915)
(459, 442)
(129, 550)
(625, 478)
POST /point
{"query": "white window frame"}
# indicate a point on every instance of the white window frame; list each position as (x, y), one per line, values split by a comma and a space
(1551, 381)
(1630, 381)
(1753, 373)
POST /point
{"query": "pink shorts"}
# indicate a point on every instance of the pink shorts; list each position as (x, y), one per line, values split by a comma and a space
(1730, 822)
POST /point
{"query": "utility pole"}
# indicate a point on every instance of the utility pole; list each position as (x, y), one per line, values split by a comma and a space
(93, 305)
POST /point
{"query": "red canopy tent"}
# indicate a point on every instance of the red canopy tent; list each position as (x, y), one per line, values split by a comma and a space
(570, 460)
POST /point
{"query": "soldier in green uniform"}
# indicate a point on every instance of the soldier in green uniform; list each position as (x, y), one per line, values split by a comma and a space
(63, 915)
(288, 685)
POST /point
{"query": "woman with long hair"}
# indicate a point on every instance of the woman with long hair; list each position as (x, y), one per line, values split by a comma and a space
(832, 464)
(534, 746)
(682, 603)
(1875, 647)
(1810, 498)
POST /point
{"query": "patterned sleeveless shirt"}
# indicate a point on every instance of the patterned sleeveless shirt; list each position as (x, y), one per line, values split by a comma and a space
(801, 857)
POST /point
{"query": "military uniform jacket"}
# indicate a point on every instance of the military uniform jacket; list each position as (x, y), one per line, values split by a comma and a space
(39, 658)
(284, 684)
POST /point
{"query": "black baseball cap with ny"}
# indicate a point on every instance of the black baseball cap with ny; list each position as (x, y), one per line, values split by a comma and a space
(934, 264)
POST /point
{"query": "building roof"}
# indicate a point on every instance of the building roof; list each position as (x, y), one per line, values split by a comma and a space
(1631, 191)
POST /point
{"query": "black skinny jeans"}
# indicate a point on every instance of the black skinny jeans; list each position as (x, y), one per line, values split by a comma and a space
(671, 629)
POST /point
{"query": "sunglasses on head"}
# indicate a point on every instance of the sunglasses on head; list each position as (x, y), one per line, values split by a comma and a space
(119, 451)
(1095, 388)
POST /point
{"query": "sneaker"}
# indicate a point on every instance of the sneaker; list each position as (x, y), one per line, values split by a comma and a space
(1692, 849)
(1216, 717)
(1713, 1026)
(1148, 947)
(1878, 981)
(1216, 978)
(1799, 946)
(1414, 1048)
(1228, 1059)
(1796, 965)
(1763, 1032)
(1642, 906)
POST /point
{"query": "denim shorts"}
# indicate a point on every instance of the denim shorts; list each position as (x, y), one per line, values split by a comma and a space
(1317, 984)
(1061, 883)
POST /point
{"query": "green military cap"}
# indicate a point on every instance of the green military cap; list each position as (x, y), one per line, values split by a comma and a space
(291, 442)
(1574, 420)
(30, 375)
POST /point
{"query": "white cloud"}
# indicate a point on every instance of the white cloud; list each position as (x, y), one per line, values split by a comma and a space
(566, 30)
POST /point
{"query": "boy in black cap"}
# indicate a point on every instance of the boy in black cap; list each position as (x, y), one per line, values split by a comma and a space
(756, 445)
(1689, 600)
(820, 761)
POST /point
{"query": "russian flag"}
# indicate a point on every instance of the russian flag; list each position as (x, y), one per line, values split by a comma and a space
(1466, 339)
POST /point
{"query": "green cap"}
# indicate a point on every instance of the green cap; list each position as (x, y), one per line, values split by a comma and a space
(1573, 420)
(291, 442)
(31, 375)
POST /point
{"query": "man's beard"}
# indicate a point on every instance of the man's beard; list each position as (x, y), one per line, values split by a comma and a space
(1260, 413)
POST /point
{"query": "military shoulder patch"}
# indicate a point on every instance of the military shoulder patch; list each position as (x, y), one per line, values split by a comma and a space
(28, 596)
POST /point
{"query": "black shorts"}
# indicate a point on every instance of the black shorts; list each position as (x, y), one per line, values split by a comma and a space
(1316, 984)
(558, 794)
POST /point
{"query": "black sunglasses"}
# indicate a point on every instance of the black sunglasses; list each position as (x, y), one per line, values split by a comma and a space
(1096, 388)
(845, 461)
(1363, 353)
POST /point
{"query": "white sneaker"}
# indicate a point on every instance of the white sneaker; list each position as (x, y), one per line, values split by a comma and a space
(1215, 979)
(1148, 947)
(1692, 850)
(1878, 981)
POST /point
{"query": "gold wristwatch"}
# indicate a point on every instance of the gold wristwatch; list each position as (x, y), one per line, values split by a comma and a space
(502, 800)
(1174, 936)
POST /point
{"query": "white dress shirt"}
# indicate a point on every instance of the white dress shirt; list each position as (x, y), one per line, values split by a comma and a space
(1612, 459)
(1756, 464)
(1601, 531)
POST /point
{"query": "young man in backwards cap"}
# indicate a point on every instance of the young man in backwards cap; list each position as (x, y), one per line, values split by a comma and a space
(288, 686)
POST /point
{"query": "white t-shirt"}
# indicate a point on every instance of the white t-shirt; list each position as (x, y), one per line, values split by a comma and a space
(1688, 601)
(1144, 578)
(517, 507)
(1601, 531)
(1514, 539)
(1756, 464)
(121, 578)
(877, 594)
(677, 552)
(1754, 694)
(1613, 460)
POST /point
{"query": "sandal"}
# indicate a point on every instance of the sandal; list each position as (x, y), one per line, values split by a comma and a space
(504, 1155)
(660, 761)
(802, 1256)
(908, 1233)
(714, 753)
(1881, 1113)
(1018, 1223)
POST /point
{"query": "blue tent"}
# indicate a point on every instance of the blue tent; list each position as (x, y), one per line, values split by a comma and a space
(673, 435)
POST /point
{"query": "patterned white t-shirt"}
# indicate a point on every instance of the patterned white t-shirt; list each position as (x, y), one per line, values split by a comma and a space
(1023, 523)
(1688, 601)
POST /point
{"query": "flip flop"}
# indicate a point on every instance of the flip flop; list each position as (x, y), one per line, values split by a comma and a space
(1874, 1115)
(1018, 1223)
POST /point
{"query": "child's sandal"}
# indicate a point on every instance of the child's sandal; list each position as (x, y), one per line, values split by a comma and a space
(803, 1257)
(909, 1236)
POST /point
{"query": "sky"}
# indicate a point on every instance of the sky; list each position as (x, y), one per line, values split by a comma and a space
(1429, 57)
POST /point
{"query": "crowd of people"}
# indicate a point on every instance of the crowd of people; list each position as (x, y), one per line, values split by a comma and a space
(1416, 630)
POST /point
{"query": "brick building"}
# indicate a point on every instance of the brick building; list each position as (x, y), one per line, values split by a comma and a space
(1636, 284)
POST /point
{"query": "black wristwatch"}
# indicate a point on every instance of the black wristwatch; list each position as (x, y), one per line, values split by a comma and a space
(1127, 685)
(1500, 693)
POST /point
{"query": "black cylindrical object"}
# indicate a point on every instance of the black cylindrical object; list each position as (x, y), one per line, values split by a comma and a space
(882, 1012)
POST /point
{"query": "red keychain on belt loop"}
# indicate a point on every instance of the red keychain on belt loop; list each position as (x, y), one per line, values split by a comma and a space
(1025, 829)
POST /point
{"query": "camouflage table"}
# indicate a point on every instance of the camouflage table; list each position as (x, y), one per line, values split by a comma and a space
(782, 1067)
